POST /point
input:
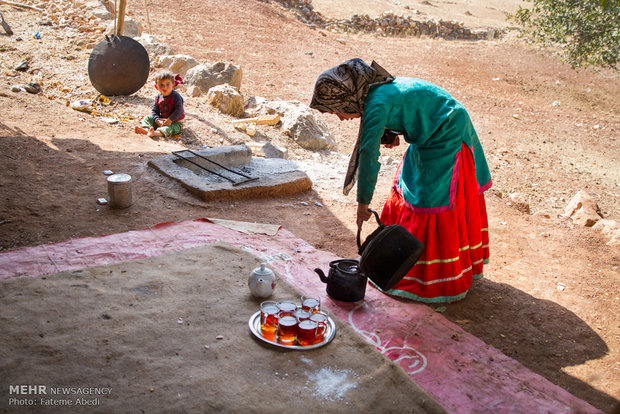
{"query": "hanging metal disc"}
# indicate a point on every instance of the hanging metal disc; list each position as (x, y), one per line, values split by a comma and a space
(118, 65)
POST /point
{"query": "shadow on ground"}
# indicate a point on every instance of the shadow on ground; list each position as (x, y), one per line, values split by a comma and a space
(532, 329)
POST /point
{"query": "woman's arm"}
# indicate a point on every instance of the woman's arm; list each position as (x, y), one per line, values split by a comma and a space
(373, 126)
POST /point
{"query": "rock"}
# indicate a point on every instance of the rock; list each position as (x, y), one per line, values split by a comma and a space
(308, 131)
(267, 150)
(108, 4)
(298, 122)
(177, 63)
(208, 75)
(386, 160)
(250, 128)
(518, 202)
(131, 28)
(227, 99)
(542, 214)
(98, 9)
(33, 88)
(110, 120)
(22, 67)
(194, 91)
(152, 47)
(583, 210)
(611, 229)
(254, 104)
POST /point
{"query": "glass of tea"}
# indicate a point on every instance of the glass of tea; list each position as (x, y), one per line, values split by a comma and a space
(321, 318)
(306, 332)
(310, 303)
(287, 329)
(301, 314)
(269, 319)
(287, 307)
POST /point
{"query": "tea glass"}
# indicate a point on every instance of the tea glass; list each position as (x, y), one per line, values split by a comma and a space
(287, 329)
(310, 303)
(321, 318)
(287, 307)
(306, 332)
(269, 319)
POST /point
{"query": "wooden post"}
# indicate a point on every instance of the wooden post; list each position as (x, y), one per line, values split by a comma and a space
(121, 17)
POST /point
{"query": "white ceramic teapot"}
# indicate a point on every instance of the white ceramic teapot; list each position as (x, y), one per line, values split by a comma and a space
(262, 281)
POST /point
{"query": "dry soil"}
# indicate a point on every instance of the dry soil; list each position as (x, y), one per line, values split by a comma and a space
(550, 296)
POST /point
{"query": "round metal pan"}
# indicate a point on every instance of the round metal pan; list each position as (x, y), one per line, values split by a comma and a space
(118, 65)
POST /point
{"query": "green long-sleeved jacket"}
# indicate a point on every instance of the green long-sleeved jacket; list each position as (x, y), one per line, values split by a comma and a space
(435, 125)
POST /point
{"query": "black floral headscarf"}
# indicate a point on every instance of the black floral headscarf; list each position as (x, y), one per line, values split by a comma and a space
(343, 89)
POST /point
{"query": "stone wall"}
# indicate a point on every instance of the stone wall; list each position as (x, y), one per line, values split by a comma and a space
(388, 24)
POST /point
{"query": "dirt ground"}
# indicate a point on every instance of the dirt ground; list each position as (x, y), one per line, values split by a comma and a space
(550, 295)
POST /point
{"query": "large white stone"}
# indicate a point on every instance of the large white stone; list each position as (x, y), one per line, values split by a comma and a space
(298, 122)
(152, 46)
(208, 75)
(177, 63)
(227, 99)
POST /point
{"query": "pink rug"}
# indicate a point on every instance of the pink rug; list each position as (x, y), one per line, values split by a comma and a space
(464, 375)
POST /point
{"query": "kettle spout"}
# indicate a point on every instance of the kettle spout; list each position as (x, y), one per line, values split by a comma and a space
(324, 278)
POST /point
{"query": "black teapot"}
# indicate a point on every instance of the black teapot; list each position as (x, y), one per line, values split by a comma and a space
(345, 281)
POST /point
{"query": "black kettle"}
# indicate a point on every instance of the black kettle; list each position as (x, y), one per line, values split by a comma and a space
(345, 281)
(388, 253)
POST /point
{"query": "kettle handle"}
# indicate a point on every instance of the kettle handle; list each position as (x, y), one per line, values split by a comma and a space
(359, 229)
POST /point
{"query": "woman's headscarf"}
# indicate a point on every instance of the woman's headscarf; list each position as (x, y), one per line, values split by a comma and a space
(343, 89)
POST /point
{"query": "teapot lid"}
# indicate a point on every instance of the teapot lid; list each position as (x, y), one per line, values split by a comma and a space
(349, 266)
(263, 270)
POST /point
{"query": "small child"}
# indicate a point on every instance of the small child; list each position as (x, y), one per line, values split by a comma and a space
(167, 111)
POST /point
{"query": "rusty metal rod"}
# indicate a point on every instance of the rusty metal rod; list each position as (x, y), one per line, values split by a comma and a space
(248, 178)
(219, 165)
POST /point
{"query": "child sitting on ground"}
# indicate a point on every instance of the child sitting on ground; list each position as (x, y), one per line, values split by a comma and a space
(167, 111)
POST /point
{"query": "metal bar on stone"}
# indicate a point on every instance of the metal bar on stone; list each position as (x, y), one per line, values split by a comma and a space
(248, 178)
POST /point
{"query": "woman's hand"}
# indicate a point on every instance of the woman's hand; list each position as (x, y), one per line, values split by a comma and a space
(394, 143)
(363, 214)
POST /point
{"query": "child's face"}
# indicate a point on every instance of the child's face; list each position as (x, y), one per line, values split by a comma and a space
(165, 87)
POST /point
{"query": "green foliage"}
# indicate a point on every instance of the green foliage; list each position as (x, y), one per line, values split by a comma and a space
(588, 31)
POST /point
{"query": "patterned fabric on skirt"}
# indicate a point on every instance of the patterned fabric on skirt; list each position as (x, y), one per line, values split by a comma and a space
(457, 240)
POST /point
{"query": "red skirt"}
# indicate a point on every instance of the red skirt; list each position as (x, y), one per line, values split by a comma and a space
(456, 240)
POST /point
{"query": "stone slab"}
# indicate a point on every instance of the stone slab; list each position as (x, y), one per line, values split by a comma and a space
(276, 177)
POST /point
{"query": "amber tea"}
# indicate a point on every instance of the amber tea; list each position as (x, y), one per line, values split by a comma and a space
(310, 304)
(287, 330)
(269, 319)
(321, 319)
(287, 308)
(301, 314)
(306, 332)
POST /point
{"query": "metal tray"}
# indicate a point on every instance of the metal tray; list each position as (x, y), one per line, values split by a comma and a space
(330, 332)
